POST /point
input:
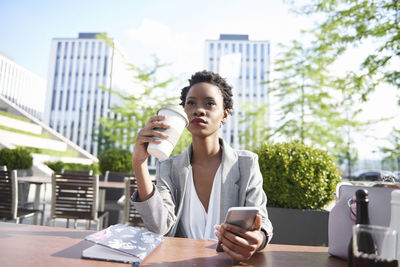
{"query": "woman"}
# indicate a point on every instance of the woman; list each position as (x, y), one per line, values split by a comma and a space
(196, 188)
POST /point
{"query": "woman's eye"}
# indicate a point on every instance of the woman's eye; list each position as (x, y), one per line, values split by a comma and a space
(210, 104)
(190, 103)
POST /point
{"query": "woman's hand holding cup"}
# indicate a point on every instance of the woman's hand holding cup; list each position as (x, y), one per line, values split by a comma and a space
(145, 136)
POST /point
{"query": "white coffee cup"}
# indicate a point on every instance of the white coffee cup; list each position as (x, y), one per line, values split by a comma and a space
(177, 119)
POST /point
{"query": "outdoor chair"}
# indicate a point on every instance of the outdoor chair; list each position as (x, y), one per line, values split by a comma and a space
(9, 210)
(76, 196)
(113, 194)
(131, 216)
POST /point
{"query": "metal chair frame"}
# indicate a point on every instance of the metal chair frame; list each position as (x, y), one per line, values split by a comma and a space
(131, 216)
(9, 210)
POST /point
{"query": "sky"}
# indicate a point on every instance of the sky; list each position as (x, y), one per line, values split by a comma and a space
(174, 30)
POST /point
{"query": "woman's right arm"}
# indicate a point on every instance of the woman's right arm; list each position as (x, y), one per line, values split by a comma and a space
(140, 155)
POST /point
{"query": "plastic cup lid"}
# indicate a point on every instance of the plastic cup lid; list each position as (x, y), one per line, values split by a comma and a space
(177, 110)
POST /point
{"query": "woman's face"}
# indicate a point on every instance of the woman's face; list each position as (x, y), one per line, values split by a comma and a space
(204, 107)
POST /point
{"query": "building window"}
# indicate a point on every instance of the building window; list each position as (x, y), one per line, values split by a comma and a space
(233, 48)
(58, 49)
(93, 46)
(74, 100)
(67, 100)
(65, 50)
(86, 50)
(262, 52)
(105, 66)
(53, 98)
(211, 48)
(57, 66)
(60, 102)
(72, 50)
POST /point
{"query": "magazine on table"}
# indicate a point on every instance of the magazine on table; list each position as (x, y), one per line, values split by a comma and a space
(122, 243)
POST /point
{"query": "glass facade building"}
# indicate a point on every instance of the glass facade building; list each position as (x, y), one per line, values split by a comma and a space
(245, 63)
(74, 100)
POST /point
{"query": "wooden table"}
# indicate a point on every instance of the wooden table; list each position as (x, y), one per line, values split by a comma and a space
(33, 245)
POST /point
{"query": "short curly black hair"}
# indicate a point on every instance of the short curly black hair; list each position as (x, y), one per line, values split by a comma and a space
(211, 78)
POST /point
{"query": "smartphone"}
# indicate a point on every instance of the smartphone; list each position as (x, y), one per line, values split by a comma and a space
(241, 216)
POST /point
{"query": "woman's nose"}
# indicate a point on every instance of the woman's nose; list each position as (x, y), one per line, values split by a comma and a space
(199, 111)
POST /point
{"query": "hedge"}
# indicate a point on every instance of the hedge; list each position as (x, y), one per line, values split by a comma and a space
(18, 158)
(297, 176)
(115, 160)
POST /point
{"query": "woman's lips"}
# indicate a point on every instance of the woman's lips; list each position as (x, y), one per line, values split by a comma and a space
(197, 121)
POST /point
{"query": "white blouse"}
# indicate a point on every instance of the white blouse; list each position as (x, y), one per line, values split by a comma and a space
(196, 222)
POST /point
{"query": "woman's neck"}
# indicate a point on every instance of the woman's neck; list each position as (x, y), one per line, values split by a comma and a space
(205, 149)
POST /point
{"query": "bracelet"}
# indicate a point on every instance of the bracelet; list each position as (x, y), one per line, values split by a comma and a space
(265, 239)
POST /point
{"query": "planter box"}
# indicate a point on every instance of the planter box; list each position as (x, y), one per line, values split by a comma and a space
(299, 227)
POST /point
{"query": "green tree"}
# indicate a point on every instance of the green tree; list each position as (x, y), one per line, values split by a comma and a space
(258, 130)
(120, 128)
(353, 23)
(393, 152)
(308, 110)
(349, 104)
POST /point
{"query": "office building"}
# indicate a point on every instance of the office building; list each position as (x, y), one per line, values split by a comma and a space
(245, 63)
(22, 87)
(74, 100)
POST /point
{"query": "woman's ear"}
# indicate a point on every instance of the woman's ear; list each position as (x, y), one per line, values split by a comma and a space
(225, 117)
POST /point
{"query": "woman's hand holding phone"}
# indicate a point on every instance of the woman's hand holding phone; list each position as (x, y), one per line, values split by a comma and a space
(236, 241)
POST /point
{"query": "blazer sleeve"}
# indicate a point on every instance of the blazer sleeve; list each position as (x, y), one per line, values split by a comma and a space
(158, 212)
(255, 195)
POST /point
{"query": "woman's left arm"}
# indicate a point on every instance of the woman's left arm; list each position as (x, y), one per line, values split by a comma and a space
(239, 243)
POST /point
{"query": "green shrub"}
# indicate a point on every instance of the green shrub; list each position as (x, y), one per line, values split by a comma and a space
(18, 158)
(116, 160)
(297, 176)
(59, 165)
(55, 166)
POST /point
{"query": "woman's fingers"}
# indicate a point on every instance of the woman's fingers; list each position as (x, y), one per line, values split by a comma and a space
(150, 130)
(235, 255)
(157, 122)
(240, 243)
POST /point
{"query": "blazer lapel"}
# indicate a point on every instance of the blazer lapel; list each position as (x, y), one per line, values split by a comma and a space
(180, 171)
(230, 179)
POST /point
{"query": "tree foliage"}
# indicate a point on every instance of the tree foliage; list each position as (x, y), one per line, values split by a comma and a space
(125, 119)
(307, 111)
(258, 129)
(393, 152)
(352, 23)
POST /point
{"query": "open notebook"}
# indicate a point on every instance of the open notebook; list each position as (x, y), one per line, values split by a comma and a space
(122, 243)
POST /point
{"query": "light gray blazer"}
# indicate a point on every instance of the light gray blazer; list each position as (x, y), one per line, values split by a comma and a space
(241, 186)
